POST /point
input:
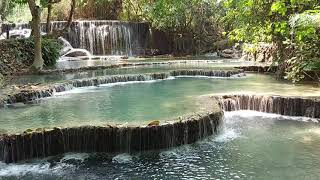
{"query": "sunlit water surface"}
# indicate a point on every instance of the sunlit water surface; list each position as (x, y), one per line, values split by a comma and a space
(251, 146)
(137, 102)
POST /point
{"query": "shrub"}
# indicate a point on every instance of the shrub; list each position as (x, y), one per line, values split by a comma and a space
(50, 50)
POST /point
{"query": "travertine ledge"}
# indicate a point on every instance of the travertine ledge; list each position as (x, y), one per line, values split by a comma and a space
(283, 105)
(33, 92)
(111, 139)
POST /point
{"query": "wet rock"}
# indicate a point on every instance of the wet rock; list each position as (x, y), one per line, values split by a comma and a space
(76, 54)
(154, 123)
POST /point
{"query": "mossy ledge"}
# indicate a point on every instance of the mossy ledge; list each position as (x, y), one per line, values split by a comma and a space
(283, 105)
(111, 139)
(27, 93)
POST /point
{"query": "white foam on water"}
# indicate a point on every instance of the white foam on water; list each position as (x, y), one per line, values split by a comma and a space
(75, 156)
(127, 83)
(34, 168)
(251, 114)
(77, 91)
(122, 159)
(42, 167)
(236, 76)
(169, 154)
(227, 135)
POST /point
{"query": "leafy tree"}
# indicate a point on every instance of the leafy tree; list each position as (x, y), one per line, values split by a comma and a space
(191, 20)
(256, 21)
(35, 11)
(5, 8)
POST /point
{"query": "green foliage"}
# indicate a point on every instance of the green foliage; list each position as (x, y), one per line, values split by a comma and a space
(306, 30)
(18, 10)
(6, 7)
(289, 24)
(193, 21)
(250, 48)
(50, 51)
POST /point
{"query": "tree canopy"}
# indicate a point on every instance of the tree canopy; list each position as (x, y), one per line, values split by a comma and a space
(291, 25)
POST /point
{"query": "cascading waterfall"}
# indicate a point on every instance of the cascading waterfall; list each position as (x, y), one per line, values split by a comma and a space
(103, 37)
(112, 39)
(291, 106)
(108, 37)
(113, 139)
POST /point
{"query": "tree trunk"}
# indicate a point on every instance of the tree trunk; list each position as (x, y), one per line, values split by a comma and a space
(48, 26)
(35, 25)
(70, 18)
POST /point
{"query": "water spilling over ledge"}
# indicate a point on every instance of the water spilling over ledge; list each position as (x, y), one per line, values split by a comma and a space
(30, 93)
(290, 106)
(113, 139)
(102, 37)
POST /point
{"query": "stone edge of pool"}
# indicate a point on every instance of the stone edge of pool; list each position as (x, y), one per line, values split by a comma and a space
(31, 92)
(42, 143)
(122, 64)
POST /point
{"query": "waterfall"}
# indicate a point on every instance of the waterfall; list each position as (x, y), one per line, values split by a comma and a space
(209, 73)
(112, 139)
(291, 106)
(109, 37)
(103, 37)
(69, 51)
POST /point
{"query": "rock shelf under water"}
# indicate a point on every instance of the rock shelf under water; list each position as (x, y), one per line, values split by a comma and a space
(290, 106)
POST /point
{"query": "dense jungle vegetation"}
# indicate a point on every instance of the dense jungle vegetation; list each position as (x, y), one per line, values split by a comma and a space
(292, 26)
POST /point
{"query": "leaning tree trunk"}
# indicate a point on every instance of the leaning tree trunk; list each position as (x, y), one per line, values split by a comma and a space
(35, 26)
(50, 6)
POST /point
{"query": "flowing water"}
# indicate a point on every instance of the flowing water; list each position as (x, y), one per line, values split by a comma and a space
(225, 65)
(108, 60)
(252, 146)
(101, 37)
(137, 102)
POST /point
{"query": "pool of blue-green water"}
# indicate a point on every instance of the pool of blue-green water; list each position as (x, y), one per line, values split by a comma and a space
(137, 103)
(251, 146)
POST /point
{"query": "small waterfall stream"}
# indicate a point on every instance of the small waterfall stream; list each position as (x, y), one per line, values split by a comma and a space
(290, 106)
